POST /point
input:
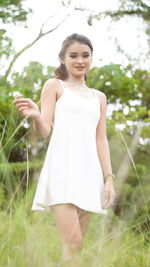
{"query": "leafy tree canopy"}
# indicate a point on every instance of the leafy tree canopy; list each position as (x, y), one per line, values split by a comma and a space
(128, 91)
(131, 7)
(12, 11)
(6, 47)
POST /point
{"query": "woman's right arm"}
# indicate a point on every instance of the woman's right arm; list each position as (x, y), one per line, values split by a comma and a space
(42, 121)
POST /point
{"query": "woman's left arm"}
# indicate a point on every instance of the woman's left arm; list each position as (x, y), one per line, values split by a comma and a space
(104, 153)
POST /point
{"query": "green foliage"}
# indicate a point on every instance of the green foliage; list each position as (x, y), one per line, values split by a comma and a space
(21, 166)
(29, 84)
(18, 141)
(116, 82)
(12, 11)
(125, 89)
(6, 48)
(142, 78)
(128, 95)
(128, 91)
(131, 8)
(31, 79)
(22, 153)
(29, 236)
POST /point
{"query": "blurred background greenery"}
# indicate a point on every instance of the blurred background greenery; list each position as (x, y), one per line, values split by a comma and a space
(22, 153)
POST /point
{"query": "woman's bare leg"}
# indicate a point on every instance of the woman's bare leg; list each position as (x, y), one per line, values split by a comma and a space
(69, 256)
(84, 219)
(68, 225)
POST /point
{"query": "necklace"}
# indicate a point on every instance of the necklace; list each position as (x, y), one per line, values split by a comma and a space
(81, 86)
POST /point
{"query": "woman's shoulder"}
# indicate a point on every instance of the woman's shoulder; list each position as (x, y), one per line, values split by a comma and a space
(51, 84)
(101, 96)
(51, 81)
(50, 87)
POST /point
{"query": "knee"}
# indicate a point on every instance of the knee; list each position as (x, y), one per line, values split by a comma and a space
(76, 243)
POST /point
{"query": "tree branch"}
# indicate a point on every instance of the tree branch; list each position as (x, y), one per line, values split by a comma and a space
(40, 35)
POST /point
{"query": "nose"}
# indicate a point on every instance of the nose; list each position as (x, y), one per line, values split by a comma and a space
(79, 60)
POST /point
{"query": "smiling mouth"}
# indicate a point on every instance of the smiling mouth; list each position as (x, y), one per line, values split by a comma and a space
(79, 68)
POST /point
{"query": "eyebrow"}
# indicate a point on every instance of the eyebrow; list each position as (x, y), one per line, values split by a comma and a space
(77, 53)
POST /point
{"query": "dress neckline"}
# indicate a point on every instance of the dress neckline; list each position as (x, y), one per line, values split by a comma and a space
(78, 95)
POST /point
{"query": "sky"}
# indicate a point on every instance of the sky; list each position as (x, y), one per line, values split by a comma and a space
(129, 31)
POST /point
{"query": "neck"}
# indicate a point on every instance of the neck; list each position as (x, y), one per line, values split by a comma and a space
(76, 79)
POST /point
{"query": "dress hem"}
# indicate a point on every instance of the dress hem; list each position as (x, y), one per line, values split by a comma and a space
(47, 207)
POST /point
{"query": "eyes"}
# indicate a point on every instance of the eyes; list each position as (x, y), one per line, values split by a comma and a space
(84, 56)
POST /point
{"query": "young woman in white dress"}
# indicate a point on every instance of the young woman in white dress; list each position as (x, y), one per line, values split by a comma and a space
(75, 61)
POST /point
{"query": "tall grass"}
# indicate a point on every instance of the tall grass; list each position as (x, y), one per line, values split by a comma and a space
(30, 238)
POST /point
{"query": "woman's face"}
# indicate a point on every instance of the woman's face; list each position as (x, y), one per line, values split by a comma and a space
(78, 58)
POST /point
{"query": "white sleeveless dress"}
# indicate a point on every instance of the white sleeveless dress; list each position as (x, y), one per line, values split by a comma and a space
(72, 172)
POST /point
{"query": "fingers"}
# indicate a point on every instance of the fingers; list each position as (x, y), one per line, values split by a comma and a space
(26, 106)
(22, 103)
(106, 198)
(109, 199)
(25, 102)
(17, 98)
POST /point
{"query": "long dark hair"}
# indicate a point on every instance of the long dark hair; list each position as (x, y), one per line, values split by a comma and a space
(61, 72)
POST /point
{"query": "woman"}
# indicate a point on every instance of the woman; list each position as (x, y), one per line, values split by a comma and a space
(71, 183)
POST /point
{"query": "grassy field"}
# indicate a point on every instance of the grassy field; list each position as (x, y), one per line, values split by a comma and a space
(29, 238)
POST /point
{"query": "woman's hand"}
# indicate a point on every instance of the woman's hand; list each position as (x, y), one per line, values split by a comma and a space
(109, 194)
(26, 107)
